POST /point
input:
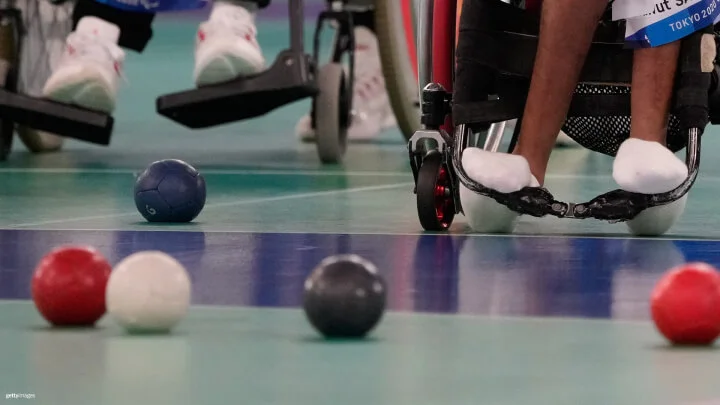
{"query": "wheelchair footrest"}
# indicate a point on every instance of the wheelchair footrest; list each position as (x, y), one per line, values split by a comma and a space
(57, 118)
(289, 79)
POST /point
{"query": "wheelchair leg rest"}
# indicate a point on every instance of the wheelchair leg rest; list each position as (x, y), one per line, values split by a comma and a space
(58, 118)
(289, 79)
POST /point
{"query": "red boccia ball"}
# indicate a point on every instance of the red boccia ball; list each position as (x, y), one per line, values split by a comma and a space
(68, 286)
(685, 304)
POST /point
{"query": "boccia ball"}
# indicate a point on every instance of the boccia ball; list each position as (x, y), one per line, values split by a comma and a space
(68, 286)
(170, 191)
(685, 304)
(148, 292)
(344, 297)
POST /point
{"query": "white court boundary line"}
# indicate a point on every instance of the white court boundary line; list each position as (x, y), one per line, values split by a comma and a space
(310, 195)
(214, 172)
(409, 314)
(225, 204)
(286, 172)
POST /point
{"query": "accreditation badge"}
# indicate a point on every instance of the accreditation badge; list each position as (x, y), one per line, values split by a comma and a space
(651, 23)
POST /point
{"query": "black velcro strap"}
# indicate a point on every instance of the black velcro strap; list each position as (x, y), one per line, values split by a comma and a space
(583, 105)
(504, 38)
(514, 54)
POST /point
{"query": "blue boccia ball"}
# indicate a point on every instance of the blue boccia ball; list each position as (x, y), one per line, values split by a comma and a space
(170, 191)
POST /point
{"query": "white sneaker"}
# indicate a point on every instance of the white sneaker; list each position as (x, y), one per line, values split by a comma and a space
(371, 110)
(226, 47)
(88, 72)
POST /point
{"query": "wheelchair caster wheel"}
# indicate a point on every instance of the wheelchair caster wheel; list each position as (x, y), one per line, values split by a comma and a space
(435, 203)
(331, 113)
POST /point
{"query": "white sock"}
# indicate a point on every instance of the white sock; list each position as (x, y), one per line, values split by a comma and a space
(650, 168)
(502, 172)
(100, 28)
(498, 171)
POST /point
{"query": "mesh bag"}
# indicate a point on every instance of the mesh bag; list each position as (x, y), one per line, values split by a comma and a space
(605, 134)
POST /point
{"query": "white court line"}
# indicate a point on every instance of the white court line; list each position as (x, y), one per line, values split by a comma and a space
(214, 172)
(227, 204)
(405, 313)
(289, 172)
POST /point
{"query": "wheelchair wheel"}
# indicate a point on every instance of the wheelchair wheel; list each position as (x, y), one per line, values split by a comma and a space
(46, 24)
(435, 204)
(9, 32)
(396, 31)
(331, 113)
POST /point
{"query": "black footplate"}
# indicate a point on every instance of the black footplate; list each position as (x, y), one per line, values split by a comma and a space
(57, 118)
(289, 79)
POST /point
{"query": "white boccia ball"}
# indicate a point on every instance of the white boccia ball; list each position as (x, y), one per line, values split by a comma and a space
(148, 292)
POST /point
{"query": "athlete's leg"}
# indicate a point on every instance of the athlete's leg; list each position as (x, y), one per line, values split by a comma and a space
(643, 163)
(372, 112)
(565, 35)
(566, 32)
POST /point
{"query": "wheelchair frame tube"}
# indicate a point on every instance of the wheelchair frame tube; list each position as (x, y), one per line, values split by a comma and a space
(425, 44)
(296, 14)
(494, 136)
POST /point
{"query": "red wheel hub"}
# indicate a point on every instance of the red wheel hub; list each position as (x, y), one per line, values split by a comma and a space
(443, 196)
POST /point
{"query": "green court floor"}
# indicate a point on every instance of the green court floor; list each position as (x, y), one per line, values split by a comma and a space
(269, 356)
(260, 178)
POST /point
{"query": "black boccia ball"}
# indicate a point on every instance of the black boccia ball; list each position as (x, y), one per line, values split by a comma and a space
(344, 297)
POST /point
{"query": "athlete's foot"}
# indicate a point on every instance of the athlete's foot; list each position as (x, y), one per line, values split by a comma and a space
(650, 168)
(226, 47)
(371, 110)
(88, 72)
(498, 171)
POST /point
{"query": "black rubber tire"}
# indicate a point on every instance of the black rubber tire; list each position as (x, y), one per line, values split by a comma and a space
(402, 87)
(435, 204)
(331, 113)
